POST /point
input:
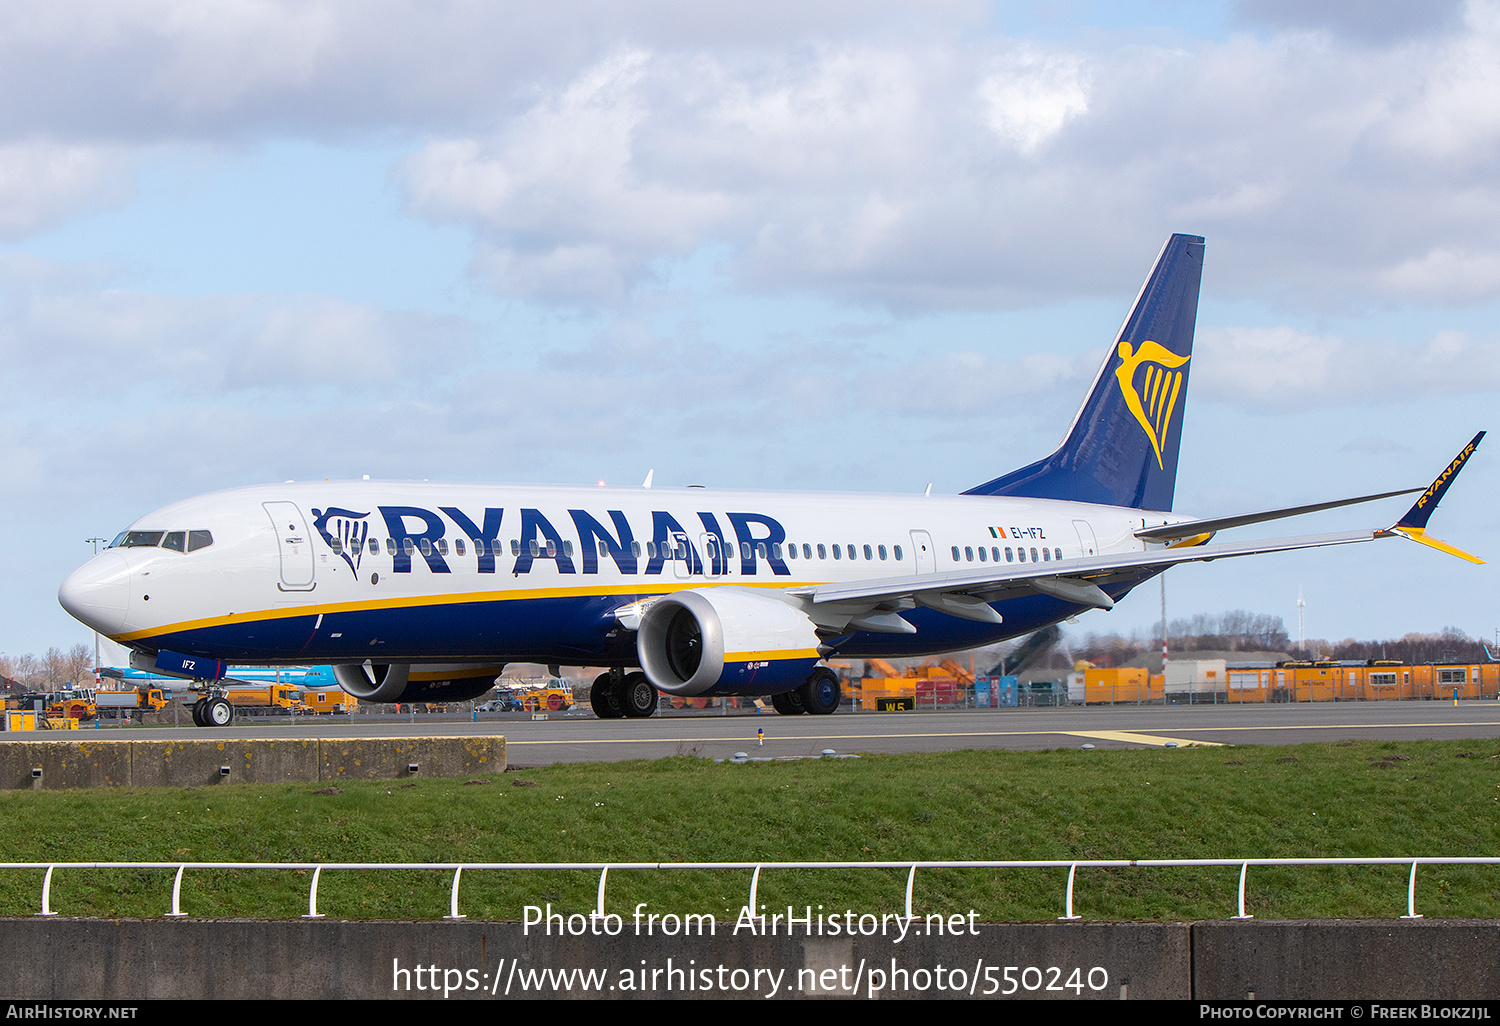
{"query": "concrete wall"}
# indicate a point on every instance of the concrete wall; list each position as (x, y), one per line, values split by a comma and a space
(70, 763)
(60, 959)
(1413, 959)
(146, 959)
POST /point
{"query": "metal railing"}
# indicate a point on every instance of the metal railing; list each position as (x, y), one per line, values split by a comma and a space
(603, 868)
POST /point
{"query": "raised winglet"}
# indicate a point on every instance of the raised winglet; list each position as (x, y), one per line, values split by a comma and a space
(1414, 524)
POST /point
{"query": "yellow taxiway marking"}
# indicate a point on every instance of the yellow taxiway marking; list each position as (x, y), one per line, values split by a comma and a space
(1134, 738)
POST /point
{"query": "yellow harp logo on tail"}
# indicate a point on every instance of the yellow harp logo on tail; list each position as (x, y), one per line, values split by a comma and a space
(1153, 401)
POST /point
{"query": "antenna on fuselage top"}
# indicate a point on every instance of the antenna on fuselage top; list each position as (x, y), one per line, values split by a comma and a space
(647, 483)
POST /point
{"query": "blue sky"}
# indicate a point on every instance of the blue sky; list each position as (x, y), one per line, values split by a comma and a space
(853, 247)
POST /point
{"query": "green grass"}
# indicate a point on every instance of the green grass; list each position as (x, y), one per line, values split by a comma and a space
(1352, 799)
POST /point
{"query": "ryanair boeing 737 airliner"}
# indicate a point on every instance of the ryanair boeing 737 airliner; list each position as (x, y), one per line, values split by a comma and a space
(422, 592)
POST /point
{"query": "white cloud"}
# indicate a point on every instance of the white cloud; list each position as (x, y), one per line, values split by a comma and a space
(44, 183)
(1032, 95)
(66, 324)
(900, 154)
(1283, 369)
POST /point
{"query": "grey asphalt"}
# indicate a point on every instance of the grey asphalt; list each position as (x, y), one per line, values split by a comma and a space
(579, 737)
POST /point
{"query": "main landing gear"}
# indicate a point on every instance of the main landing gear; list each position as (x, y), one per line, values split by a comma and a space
(213, 711)
(619, 694)
(820, 695)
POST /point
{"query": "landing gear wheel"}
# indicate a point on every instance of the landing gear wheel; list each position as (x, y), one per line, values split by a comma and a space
(198, 720)
(640, 698)
(605, 703)
(217, 713)
(788, 703)
(821, 693)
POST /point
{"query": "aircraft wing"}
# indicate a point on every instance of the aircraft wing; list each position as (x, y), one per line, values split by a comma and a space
(876, 605)
(1194, 528)
(967, 592)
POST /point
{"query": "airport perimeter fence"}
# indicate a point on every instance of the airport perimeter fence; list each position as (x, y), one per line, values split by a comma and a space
(603, 868)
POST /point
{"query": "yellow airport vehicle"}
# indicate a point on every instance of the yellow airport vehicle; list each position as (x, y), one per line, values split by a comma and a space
(547, 700)
(265, 698)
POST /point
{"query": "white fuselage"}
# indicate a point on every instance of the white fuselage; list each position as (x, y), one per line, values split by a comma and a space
(386, 571)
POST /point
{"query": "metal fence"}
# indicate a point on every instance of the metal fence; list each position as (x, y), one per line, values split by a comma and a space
(603, 868)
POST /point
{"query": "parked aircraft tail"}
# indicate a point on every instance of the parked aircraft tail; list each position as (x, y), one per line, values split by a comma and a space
(1121, 449)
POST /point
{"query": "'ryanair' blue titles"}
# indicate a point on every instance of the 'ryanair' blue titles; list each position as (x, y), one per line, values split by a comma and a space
(424, 592)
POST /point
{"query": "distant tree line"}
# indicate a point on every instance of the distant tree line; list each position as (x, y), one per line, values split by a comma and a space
(1242, 631)
(55, 670)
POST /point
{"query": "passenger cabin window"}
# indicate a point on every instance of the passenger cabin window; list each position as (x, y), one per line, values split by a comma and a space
(838, 552)
(870, 553)
(791, 551)
(515, 547)
(175, 540)
(881, 550)
(969, 553)
(1057, 553)
(955, 553)
(1046, 555)
(1009, 558)
(1033, 555)
(199, 540)
(374, 545)
(898, 552)
(982, 554)
(822, 552)
(442, 546)
(458, 546)
(806, 551)
(1021, 555)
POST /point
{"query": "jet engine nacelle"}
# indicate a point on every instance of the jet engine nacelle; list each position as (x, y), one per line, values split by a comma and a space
(727, 641)
(420, 682)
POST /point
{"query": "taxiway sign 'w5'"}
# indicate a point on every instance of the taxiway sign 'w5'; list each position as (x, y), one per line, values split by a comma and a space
(424, 591)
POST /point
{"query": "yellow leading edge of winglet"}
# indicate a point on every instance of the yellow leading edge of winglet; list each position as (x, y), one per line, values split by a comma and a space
(1417, 534)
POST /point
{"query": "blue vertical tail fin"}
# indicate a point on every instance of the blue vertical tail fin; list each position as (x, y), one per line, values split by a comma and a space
(1121, 449)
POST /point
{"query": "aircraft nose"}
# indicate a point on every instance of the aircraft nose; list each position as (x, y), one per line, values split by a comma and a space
(98, 593)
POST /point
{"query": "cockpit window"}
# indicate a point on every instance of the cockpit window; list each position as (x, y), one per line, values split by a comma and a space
(199, 540)
(140, 539)
(175, 540)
